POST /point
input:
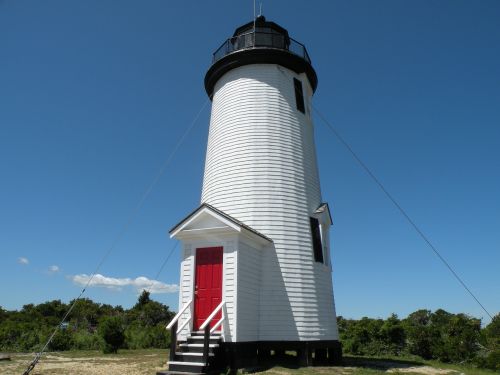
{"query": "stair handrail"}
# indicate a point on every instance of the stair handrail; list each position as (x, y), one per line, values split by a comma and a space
(211, 316)
(178, 315)
(207, 331)
(172, 326)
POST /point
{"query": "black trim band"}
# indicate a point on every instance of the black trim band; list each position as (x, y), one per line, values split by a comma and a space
(244, 354)
(258, 56)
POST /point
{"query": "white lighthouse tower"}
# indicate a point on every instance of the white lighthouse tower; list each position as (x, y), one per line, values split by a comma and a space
(256, 262)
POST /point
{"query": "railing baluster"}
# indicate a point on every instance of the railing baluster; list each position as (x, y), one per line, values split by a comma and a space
(206, 343)
(249, 41)
(178, 315)
(183, 325)
(174, 323)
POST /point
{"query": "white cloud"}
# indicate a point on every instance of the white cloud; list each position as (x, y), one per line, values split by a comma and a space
(23, 260)
(139, 283)
(53, 269)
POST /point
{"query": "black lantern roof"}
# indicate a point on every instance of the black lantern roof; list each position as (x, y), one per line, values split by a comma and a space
(261, 23)
(259, 42)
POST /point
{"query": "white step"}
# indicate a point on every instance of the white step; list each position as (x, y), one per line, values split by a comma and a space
(193, 354)
(186, 363)
(199, 345)
(213, 337)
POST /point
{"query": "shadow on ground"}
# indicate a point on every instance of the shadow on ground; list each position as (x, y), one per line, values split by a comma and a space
(286, 361)
(290, 362)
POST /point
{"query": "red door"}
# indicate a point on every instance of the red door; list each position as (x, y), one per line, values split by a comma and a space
(208, 285)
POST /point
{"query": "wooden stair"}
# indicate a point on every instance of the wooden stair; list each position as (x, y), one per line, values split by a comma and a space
(188, 358)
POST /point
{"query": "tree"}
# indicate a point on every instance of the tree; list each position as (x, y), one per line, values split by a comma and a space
(419, 333)
(462, 337)
(147, 312)
(442, 335)
(492, 332)
(86, 314)
(112, 331)
(490, 357)
(143, 298)
(362, 337)
(393, 335)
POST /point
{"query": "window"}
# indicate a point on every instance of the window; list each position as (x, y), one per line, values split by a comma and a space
(316, 240)
(299, 96)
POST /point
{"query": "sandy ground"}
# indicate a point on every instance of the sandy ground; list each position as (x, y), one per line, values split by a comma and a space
(150, 361)
(425, 370)
(127, 363)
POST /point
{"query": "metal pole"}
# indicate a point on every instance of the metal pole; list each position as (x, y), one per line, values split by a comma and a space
(254, 18)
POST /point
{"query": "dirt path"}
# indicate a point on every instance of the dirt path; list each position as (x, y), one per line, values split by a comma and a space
(90, 363)
(424, 370)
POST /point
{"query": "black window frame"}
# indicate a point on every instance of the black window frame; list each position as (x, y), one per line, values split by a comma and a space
(299, 95)
(316, 240)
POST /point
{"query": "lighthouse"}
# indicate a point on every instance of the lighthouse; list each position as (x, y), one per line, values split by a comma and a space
(256, 262)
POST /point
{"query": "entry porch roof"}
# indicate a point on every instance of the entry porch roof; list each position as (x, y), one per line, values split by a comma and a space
(207, 219)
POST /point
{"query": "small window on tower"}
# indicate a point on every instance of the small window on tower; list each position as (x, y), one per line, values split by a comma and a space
(316, 240)
(299, 96)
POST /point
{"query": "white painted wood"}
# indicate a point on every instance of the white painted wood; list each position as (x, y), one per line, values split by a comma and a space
(207, 223)
(209, 229)
(218, 324)
(229, 278)
(261, 169)
(197, 364)
(212, 314)
(186, 287)
(178, 315)
(185, 324)
(203, 219)
(229, 243)
(249, 286)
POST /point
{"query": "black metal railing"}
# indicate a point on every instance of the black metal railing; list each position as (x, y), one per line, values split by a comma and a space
(173, 342)
(260, 39)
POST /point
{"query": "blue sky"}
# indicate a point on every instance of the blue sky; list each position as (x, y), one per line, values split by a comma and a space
(94, 96)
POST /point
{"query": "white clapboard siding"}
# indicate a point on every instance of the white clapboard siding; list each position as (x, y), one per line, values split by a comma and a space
(229, 280)
(261, 169)
(186, 287)
(249, 266)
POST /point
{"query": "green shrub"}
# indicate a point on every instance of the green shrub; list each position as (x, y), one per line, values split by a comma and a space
(393, 335)
(143, 337)
(62, 340)
(112, 332)
(160, 337)
(84, 340)
(489, 360)
(492, 361)
(29, 329)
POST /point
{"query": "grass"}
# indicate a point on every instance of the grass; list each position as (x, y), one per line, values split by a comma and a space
(401, 365)
(147, 362)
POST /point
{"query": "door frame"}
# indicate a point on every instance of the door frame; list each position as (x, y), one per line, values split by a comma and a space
(195, 248)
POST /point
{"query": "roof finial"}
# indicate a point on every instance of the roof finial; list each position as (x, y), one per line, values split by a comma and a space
(254, 19)
(260, 9)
